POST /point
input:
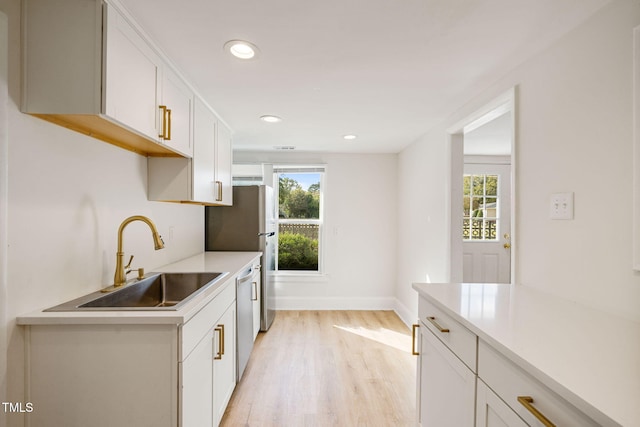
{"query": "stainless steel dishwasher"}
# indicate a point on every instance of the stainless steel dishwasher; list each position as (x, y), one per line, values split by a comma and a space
(244, 318)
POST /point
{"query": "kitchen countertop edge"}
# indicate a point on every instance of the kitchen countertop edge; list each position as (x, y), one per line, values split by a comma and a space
(507, 334)
(215, 261)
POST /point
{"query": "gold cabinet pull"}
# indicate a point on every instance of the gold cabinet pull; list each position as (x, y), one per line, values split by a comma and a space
(507, 245)
(219, 188)
(220, 330)
(434, 323)
(527, 402)
(164, 121)
(168, 137)
(414, 328)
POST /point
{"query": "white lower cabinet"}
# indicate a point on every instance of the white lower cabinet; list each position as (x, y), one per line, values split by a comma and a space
(446, 391)
(534, 402)
(208, 374)
(464, 381)
(154, 374)
(209, 366)
(492, 411)
(197, 384)
(224, 363)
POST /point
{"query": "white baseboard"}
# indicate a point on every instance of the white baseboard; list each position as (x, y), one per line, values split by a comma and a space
(406, 315)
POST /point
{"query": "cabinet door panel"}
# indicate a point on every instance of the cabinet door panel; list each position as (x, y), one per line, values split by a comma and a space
(204, 154)
(493, 412)
(197, 385)
(224, 369)
(178, 99)
(133, 71)
(447, 386)
(223, 165)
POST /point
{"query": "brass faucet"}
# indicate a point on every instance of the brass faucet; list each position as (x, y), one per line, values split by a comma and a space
(120, 276)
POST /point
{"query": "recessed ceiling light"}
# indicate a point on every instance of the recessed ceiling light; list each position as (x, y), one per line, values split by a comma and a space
(270, 119)
(350, 137)
(241, 49)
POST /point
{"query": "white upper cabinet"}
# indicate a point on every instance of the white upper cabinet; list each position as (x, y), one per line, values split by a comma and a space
(133, 71)
(223, 178)
(204, 161)
(98, 75)
(176, 114)
(203, 179)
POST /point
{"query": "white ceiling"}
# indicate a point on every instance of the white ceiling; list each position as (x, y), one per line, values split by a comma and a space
(386, 70)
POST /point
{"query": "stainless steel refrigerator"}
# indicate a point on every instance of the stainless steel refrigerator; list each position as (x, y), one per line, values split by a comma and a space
(248, 225)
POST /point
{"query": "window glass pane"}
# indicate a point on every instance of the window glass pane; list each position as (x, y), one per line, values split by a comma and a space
(478, 185)
(299, 195)
(466, 185)
(480, 204)
(476, 229)
(476, 207)
(466, 204)
(299, 214)
(492, 185)
(490, 230)
(298, 247)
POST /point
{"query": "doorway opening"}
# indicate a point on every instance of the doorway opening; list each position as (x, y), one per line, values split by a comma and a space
(483, 194)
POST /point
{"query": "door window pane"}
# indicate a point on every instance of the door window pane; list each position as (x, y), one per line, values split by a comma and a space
(480, 207)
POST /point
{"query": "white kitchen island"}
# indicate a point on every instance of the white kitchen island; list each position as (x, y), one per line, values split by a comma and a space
(583, 364)
(138, 368)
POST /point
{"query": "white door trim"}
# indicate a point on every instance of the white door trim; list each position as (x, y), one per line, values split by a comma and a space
(499, 105)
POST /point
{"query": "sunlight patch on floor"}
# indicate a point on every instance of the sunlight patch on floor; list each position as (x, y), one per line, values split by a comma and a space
(384, 336)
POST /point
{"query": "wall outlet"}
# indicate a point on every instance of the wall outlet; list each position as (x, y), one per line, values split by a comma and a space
(561, 206)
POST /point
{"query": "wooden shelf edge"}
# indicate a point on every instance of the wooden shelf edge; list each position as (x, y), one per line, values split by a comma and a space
(102, 128)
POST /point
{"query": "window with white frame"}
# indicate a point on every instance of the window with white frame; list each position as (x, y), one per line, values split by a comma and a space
(299, 197)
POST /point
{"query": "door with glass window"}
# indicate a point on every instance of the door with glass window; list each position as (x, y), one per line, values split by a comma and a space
(486, 227)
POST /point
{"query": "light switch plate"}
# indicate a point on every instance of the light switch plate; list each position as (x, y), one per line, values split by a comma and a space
(561, 206)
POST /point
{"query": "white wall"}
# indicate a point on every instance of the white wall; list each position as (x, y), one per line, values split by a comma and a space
(359, 238)
(574, 134)
(67, 196)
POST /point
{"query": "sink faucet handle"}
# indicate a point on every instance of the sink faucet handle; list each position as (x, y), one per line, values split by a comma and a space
(129, 264)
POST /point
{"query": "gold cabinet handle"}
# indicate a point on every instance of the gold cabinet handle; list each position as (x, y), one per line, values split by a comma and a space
(434, 323)
(507, 245)
(220, 330)
(414, 328)
(164, 121)
(219, 188)
(168, 137)
(527, 402)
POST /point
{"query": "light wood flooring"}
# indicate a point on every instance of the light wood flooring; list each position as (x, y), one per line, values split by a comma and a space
(328, 368)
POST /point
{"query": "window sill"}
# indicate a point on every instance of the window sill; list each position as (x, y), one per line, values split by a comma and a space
(299, 276)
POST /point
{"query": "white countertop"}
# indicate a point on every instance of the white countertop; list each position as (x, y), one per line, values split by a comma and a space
(589, 357)
(231, 262)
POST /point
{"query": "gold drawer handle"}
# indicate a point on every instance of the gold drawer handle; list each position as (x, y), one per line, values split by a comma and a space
(434, 323)
(413, 340)
(527, 402)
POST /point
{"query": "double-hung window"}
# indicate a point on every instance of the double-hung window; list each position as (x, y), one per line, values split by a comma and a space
(299, 196)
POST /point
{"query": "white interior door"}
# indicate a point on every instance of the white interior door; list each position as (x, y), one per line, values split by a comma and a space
(486, 233)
